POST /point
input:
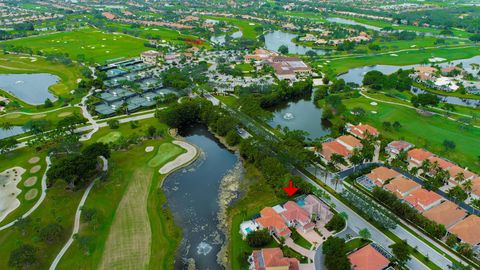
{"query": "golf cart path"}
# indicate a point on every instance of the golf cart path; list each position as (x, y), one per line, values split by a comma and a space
(39, 201)
(76, 225)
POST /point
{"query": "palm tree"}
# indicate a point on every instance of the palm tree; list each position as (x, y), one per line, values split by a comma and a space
(6, 126)
(460, 177)
(467, 186)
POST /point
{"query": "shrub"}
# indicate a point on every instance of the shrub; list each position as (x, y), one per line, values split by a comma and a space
(259, 238)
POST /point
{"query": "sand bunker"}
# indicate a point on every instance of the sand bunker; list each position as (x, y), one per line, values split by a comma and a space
(31, 194)
(36, 116)
(34, 160)
(35, 169)
(30, 181)
(374, 112)
(180, 160)
(9, 191)
(373, 103)
(63, 114)
(149, 149)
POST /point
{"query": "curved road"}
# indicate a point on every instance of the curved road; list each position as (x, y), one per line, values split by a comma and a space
(76, 225)
(40, 200)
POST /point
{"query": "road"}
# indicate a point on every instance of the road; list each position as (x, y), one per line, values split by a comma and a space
(76, 225)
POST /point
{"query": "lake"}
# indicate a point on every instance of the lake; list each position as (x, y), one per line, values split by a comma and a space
(301, 115)
(15, 130)
(275, 39)
(31, 88)
(221, 39)
(193, 197)
(352, 22)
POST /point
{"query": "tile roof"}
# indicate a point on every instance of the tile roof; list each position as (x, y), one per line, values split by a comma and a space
(442, 163)
(334, 147)
(419, 154)
(368, 258)
(447, 213)
(361, 130)
(400, 145)
(401, 186)
(381, 175)
(423, 199)
(350, 140)
(455, 170)
(468, 230)
(273, 221)
(273, 258)
(476, 186)
(293, 212)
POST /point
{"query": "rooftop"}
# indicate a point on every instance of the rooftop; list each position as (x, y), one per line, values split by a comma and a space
(382, 174)
(400, 186)
(368, 258)
(468, 230)
(422, 199)
(447, 213)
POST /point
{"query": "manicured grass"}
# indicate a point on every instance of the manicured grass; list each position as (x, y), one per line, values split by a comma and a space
(18, 64)
(356, 243)
(297, 238)
(165, 152)
(308, 15)
(343, 64)
(229, 100)
(428, 132)
(245, 67)
(111, 137)
(93, 44)
(247, 27)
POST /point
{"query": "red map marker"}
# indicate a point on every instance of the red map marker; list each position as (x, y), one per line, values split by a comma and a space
(290, 190)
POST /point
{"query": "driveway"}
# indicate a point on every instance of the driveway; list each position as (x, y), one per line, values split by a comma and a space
(303, 251)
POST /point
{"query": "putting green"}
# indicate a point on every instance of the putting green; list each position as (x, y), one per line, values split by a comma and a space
(110, 137)
(165, 152)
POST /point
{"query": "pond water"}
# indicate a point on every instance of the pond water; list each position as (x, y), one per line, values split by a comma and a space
(192, 195)
(275, 39)
(31, 88)
(15, 130)
(451, 100)
(221, 39)
(356, 75)
(301, 115)
(352, 22)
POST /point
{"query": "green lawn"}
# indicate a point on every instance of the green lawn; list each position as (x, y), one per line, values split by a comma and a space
(111, 137)
(424, 131)
(247, 27)
(93, 44)
(165, 153)
(356, 243)
(245, 67)
(298, 239)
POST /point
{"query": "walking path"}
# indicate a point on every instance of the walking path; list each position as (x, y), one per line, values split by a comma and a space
(181, 160)
(76, 225)
(40, 200)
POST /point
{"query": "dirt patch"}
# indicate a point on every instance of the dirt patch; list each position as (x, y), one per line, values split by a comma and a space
(33, 160)
(30, 181)
(64, 114)
(35, 169)
(31, 194)
(37, 116)
(129, 242)
(13, 115)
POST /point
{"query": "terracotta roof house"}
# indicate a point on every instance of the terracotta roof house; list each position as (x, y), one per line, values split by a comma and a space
(447, 70)
(368, 258)
(272, 221)
(395, 147)
(402, 186)
(260, 54)
(109, 15)
(314, 206)
(475, 194)
(295, 215)
(150, 57)
(272, 258)
(455, 170)
(442, 163)
(381, 175)
(288, 67)
(417, 156)
(334, 147)
(361, 130)
(468, 230)
(423, 199)
(349, 142)
(447, 213)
